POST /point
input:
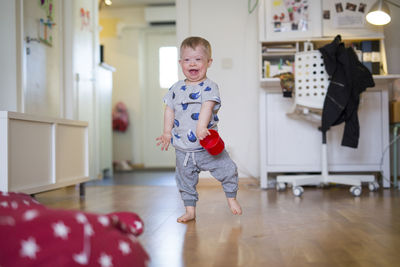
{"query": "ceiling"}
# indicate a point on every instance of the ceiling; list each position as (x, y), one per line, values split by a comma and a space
(123, 3)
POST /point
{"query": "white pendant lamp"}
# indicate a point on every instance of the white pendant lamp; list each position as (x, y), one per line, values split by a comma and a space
(379, 13)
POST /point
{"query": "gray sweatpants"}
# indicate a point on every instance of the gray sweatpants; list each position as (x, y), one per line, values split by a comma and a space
(189, 165)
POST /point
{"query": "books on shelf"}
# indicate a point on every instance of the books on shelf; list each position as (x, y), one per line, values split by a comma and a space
(285, 48)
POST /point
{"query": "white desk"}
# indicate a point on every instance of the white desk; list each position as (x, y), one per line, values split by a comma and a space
(294, 146)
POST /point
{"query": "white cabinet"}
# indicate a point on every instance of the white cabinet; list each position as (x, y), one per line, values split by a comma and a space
(39, 153)
(289, 145)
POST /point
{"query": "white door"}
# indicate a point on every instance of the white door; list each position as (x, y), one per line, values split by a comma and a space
(42, 55)
(153, 95)
(83, 65)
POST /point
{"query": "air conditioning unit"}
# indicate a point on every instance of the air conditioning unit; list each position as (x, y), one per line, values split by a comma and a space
(156, 15)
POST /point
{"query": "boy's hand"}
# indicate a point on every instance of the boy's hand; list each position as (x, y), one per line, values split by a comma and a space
(202, 133)
(164, 140)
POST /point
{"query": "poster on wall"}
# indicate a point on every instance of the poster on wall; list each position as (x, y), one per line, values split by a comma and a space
(291, 19)
(346, 14)
(289, 16)
(347, 18)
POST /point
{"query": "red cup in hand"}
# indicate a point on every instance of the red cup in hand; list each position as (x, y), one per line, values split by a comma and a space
(213, 143)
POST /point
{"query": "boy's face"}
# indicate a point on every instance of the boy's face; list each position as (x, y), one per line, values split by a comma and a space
(194, 64)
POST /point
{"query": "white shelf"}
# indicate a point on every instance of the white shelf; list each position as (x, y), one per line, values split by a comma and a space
(42, 153)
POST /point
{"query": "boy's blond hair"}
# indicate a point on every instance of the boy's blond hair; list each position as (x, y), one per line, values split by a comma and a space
(194, 42)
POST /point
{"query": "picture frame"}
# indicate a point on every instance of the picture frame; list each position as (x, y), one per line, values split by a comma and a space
(291, 20)
(347, 18)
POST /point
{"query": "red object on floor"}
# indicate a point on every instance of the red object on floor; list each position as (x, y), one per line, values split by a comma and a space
(120, 117)
(34, 235)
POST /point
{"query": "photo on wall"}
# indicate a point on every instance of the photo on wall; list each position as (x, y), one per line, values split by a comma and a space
(346, 14)
(347, 18)
(290, 16)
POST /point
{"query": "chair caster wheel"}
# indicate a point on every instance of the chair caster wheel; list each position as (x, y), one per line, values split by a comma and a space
(280, 186)
(298, 191)
(355, 191)
(373, 186)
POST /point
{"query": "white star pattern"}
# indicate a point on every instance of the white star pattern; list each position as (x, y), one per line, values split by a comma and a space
(88, 230)
(61, 230)
(81, 258)
(138, 225)
(105, 260)
(103, 220)
(29, 248)
(35, 231)
(81, 218)
(30, 215)
(14, 205)
(124, 247)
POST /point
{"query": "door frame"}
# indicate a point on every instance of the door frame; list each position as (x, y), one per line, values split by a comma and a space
(142, 76)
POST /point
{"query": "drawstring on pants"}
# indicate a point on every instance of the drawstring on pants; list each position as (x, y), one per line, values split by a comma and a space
(187, 158)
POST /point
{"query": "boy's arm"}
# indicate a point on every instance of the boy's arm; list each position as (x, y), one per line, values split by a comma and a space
(204, 119)
(165, 138)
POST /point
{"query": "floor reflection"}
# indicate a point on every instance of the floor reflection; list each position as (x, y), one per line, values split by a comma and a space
(203, 248)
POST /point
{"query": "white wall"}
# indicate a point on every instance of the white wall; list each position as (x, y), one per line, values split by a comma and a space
(122, 52)
(8, 56)
(13, 61)
(232, 32)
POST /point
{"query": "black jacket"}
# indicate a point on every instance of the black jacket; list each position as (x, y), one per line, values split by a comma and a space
(348, 79)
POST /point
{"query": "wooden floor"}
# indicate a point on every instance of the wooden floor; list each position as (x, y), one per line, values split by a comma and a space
(326, 227)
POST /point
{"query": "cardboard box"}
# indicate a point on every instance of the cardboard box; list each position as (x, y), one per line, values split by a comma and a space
(394, 111)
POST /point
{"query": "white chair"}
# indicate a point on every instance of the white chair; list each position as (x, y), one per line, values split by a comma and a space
(311, 84)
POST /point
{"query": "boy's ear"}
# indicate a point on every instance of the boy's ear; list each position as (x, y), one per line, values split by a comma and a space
(210, 62)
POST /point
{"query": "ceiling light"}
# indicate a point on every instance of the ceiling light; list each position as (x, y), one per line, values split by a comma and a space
(108, 2)
(379, 14)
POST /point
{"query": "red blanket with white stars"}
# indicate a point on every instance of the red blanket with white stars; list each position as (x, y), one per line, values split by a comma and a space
(33, 235)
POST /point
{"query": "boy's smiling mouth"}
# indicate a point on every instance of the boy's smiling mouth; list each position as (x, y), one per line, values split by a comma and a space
(193, 71)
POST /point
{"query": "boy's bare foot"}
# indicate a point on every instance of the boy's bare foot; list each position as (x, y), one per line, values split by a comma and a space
(188, 216)
(235, 206)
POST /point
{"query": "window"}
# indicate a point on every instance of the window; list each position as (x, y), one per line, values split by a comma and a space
(168, 56)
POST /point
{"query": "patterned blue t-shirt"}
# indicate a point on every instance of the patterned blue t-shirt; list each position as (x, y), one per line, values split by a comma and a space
(186, 100)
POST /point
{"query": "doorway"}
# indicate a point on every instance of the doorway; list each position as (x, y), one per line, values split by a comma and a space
(155, 40)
